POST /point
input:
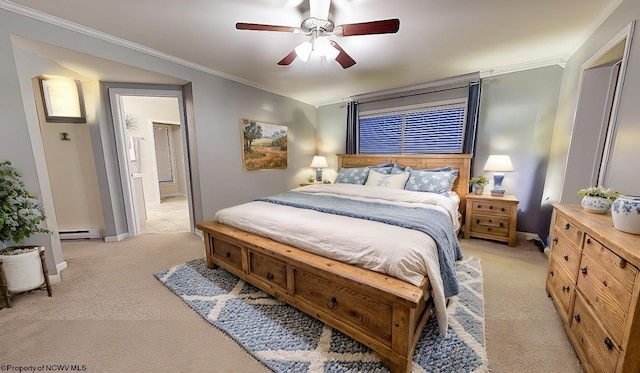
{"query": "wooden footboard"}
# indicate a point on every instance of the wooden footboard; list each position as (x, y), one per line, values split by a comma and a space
(383, 313)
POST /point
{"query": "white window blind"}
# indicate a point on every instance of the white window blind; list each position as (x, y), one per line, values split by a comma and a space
(414, 130)
(163, 154)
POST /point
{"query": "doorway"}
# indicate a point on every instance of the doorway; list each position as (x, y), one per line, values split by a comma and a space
(152, 152)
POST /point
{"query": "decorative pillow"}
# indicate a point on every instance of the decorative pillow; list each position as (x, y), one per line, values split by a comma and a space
(431, 181)
(395, 169)
(396, 181)
(356, 175)
(384, 168)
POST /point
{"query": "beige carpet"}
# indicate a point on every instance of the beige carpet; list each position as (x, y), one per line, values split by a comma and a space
(110, 314)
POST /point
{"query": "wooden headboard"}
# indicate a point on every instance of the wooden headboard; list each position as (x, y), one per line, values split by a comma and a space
(461, 162)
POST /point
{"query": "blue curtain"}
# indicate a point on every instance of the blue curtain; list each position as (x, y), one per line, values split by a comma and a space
(352, 127)
(473, 113)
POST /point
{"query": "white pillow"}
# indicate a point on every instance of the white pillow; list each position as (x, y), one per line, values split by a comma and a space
(393, 181)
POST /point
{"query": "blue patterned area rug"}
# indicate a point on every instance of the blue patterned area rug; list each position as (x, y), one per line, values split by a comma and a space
(287, 340)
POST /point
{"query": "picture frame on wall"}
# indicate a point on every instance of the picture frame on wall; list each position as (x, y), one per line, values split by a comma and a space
(264, 145)
(62, 100)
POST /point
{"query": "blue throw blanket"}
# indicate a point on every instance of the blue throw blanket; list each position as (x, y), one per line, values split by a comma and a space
(434, 223)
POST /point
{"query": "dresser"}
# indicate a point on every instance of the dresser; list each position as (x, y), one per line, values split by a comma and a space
(594, 283)
(491, 217)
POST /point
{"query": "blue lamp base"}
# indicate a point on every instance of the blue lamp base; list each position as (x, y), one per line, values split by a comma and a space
(497, 185)
(318, 175)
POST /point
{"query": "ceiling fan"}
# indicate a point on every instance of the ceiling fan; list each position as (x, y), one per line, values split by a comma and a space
(319, 27)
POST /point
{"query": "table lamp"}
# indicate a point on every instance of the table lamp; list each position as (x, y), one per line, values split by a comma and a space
(498, 164)
(319, 162)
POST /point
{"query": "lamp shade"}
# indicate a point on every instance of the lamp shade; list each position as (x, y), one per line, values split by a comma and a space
(498, 163)
(319, 162)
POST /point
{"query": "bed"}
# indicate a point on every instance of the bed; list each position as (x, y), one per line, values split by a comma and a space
(378, 309)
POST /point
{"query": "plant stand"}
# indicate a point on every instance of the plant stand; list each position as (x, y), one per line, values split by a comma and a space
(4, 289)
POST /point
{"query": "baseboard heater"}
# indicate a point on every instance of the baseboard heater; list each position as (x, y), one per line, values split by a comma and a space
(80, 234)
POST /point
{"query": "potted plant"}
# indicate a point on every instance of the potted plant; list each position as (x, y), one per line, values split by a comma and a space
(20, 217)
(597, 199)
(478, 183)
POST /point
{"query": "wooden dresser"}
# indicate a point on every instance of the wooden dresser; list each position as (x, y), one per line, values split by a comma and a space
(593, 280)
(490, 217)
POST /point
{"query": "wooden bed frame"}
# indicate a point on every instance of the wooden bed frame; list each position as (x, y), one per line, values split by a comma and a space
(382, 312)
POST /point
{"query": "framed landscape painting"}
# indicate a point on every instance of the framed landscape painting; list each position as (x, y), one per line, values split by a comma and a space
(264, 145)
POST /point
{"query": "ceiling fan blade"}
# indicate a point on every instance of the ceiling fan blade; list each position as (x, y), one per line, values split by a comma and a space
(288, 58)
(319, 8)
(261, 27)
(343, 58)
(387, 26)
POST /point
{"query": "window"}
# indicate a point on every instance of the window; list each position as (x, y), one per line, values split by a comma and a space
(163, 154)
(426, 128)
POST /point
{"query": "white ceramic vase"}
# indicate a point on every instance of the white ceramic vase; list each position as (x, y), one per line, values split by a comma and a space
(23, 271)
(597, 205)
(625, 212)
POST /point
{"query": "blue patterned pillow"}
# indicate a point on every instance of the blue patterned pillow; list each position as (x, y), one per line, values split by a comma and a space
(395, 169)
(384, 168)
(356, 175)
(431, 181)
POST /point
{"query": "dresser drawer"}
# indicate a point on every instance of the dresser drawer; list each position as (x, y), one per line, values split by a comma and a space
(595, 347)
(606, 296)
(268, 269)
(362, 311)
(566, 253)
(569, 229)
(561, 287)
(490, 224)
(492, 207)
(612, 264)
(227, 252)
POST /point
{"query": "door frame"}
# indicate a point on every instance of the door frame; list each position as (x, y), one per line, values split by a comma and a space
(128, 193)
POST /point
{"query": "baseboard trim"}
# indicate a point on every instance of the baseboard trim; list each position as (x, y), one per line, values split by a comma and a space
(54, 279)
(117, 238)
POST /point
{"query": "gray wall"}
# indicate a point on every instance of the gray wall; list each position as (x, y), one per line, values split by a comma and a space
(566, 150)
(217, 106)
(517, 113)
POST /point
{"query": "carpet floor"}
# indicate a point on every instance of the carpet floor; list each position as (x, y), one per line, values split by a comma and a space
(287, 340)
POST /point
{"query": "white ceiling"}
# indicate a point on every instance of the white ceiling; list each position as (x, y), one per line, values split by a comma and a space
(437, 38)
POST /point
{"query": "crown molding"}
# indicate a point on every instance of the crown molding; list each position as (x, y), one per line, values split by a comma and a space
(560, 60)
(57, 21)
(597, 22)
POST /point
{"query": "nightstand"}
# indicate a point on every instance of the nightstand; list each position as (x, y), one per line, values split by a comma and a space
(491, 217)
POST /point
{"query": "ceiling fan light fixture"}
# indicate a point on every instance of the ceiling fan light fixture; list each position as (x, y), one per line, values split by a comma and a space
(303, 51)
(322, 46)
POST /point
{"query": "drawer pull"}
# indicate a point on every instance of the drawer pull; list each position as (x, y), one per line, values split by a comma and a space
(479, 206)
(588, 241)
(555, 240)
(551, 273)
(566, 258)
(269, 276)
(566, 288)
(583, 270)
(489, 229)
(567, 226)
(478, 221)
(604, 282)
(228, 254)
(491, 207)
(623, 263)
(501, 225)
(332, 303)
(608, 343)
(577, 317)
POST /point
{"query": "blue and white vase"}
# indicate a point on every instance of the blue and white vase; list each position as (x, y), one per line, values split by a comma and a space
(598, 205)
(625, 212)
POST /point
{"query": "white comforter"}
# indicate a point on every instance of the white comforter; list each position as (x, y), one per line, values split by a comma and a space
(399, 252)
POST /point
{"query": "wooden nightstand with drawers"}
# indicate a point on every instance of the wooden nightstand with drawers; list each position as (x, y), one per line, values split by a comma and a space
(491, 217)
